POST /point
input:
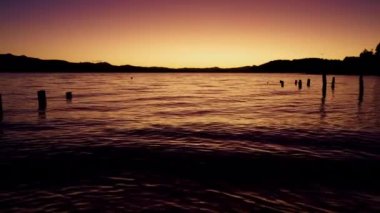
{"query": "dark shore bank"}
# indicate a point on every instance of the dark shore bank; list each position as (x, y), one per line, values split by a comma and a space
(368, 63)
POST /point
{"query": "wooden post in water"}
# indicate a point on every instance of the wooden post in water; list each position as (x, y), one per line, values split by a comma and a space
(295, 82)
(41, 100)
(361, 87)
(1, 104)
(324, 85)
(282, 83)
(69, 96)
(308, 82)
(333, 83)
(299, 84)
(1, 108)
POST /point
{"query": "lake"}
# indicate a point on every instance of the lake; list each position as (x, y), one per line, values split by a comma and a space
(189, 142)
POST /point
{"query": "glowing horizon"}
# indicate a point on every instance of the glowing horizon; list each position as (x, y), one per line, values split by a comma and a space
(179, 33)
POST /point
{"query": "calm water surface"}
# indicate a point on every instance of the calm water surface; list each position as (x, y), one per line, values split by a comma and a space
(189, 142)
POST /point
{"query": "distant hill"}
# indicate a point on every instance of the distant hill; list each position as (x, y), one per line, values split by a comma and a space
(12, 63)
(367, 63)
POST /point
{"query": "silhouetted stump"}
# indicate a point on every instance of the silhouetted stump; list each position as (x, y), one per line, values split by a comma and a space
(299, 84)
(41, 100)
(308, 82)
(333, 83)
(282, 83)
(1, 108)
(69, 96)
(295, 82)
(1, 104)
(324, 85)
(361, 87)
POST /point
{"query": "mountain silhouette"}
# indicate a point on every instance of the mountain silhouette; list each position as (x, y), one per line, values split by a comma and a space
(367, 63)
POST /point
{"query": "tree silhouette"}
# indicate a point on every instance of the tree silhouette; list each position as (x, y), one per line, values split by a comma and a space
(366, 54)
(378, 50)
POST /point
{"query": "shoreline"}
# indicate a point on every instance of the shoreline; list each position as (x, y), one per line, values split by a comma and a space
(349, 66)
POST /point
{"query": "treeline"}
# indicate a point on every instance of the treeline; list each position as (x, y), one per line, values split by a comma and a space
(368, 63)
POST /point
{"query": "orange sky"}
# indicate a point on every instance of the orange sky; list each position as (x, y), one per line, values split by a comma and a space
(184, 33)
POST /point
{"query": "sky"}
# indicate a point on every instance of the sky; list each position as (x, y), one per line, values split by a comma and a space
(188, 33)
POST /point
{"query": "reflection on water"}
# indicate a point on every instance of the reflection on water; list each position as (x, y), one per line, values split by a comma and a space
(209, 142)
(322, 108)
(376, 100)
(42, 114)
(180, 99)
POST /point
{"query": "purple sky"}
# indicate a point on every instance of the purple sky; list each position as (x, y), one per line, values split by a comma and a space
(195, 33)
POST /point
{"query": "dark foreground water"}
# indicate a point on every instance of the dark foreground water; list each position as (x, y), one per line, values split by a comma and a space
(189, 142)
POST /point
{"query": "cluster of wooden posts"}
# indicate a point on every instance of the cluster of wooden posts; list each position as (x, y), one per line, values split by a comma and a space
(308, 83)
(324, 85)
(42, 102)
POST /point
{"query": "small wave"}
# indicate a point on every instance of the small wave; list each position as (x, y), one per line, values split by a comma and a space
(185, 112)
(164, 98)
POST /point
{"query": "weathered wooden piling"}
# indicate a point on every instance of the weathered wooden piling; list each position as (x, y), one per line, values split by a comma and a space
(41, 100)
(1, 104)
(324, 85)
(308, 82)
(361, 87)
(295, 82)
(333, 83)
(69, 96)
(299, 84)
(1, 108)
(282, 83)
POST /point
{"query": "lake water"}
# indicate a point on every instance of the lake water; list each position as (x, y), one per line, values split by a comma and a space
(189, 142)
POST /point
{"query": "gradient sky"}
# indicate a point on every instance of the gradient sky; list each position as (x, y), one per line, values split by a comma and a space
(188, 33)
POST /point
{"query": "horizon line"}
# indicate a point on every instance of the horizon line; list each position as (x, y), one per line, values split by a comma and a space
(210, 67)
